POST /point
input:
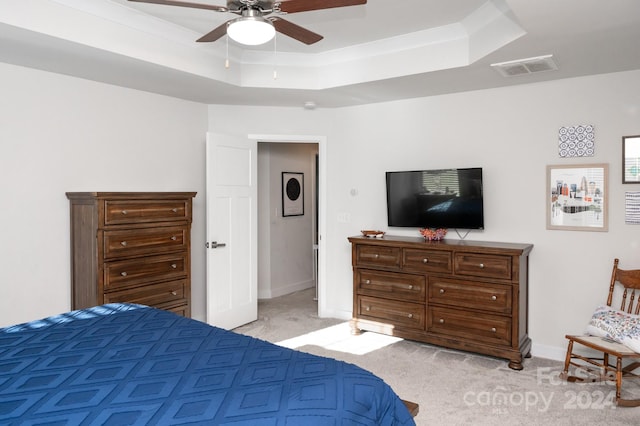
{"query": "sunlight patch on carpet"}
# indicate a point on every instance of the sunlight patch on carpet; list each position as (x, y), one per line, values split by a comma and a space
(339, 338)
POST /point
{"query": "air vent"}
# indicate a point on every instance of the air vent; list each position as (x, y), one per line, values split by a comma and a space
(526, 66)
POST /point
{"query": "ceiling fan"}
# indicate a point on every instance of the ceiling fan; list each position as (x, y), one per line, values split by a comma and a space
(259, 19)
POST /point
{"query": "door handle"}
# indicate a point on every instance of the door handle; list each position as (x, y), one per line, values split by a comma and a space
(215, 244)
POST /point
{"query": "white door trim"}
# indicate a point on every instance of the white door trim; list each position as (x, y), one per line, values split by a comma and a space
(322, 201)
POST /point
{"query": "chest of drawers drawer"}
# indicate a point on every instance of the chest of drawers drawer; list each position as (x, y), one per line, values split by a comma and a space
(470, 294)
(145, 241)
(378, 256)
(151, 295)
(392, 285)
(485, 328)
(118, 212)
(127, 273)
(426, 260)
(182, 310)
(483, 265)
(401, 314)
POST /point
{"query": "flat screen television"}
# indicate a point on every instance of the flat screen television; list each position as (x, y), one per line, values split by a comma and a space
(446, 198)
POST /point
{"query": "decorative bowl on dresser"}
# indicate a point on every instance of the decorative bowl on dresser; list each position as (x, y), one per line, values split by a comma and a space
(467, 295)
(131, 247)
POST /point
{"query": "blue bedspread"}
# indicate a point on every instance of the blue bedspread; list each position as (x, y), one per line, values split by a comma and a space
(124, 364)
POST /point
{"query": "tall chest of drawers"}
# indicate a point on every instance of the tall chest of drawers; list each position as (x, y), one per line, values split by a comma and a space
(131, 247)
(467, 295)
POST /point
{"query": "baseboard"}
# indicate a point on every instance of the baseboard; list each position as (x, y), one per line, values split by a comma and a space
(330, 313)
(282, 291)
(549, 352)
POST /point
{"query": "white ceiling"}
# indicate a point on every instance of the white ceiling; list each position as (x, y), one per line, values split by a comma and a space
(384, 50)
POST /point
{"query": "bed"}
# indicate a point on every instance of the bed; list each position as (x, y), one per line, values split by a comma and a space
(127, 364)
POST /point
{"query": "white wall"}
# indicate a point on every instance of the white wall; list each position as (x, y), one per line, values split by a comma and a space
(285, 254)
(512, 134)
(60, 134)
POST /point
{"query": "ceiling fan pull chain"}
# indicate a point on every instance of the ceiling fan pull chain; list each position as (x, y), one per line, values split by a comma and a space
(226, 61)
(275, 56)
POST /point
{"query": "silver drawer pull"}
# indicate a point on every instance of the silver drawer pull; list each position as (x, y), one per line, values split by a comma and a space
(481, 266)
(174, 293)
(174, 210)
(124, 274)
(124, 212)
(123, 243)
(375, 256)
(441, 321)
(367, 308)
(494, 297)
(174, 266)
(493, 329)
(367, 281)
(425, 260)
(410, 316)
(442, 291)
(173, 238)
(410, 287)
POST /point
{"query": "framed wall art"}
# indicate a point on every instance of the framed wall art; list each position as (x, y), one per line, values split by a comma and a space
(576, 141)
(292, 194)
(632, 208)
(631, 159)
(577, 197)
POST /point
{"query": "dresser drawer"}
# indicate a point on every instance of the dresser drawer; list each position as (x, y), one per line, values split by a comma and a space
(391, 285)
(427, 260)
(380, 256)
(182, 310)
(151, 295)
(471, 326)
(126, 273)
(401, 314)
(145, 241)
(483, 265)
(119, 212)
(470, 294)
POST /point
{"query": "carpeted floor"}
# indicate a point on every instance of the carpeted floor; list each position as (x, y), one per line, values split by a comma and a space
(452, 387)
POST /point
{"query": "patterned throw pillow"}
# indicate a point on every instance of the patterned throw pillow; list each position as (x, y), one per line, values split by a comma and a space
(631, 338)
(617, 325)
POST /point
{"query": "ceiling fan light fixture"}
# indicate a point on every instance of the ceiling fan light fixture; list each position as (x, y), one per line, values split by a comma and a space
(251, 30)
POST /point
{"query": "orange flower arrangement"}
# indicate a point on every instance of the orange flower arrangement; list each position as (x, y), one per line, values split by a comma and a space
(433, 234)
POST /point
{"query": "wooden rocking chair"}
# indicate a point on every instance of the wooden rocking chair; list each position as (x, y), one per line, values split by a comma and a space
(630, 281)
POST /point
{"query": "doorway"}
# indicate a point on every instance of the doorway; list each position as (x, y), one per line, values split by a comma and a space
(287, 263)
(287, 236)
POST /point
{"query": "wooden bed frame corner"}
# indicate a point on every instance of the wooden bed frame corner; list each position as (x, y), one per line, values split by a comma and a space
(412, 407)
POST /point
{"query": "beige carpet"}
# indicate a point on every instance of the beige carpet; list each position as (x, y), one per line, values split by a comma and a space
(452, 387)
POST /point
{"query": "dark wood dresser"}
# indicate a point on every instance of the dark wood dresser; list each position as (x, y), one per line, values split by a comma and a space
(131, 247)
(468, 295)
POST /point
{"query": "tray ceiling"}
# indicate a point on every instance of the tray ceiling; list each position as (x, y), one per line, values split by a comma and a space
(382, 51)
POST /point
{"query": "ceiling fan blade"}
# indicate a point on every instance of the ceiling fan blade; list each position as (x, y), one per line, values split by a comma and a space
(215, 34)
(185, 4)
(295, 31)
(292, 6)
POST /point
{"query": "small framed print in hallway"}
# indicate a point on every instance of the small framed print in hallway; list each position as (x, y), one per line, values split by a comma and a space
(292, 194)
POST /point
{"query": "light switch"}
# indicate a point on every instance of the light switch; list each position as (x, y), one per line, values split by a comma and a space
(344, 217)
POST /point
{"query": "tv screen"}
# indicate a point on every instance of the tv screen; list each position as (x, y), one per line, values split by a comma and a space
(447, 198)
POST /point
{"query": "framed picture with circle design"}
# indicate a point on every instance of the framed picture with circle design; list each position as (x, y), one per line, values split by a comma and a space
(292, 194)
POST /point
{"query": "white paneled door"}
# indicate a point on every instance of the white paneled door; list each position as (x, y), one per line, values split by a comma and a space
(231, 230)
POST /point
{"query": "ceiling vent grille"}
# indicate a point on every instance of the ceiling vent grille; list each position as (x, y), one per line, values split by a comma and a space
(526, 66)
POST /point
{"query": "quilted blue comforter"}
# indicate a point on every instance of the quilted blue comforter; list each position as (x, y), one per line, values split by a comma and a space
(123, 364)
